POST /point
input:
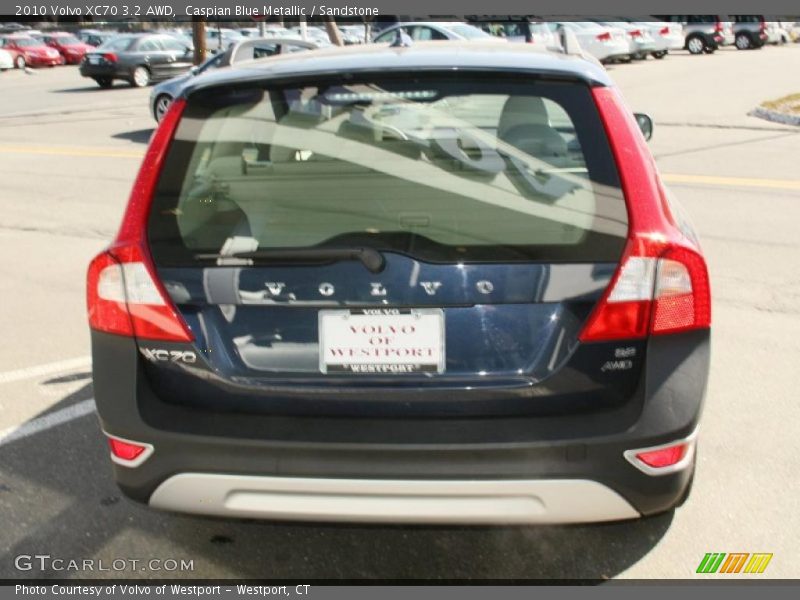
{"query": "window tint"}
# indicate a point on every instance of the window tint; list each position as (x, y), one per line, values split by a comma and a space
(118, 44)
(389, 36)
(445, 169)
(468, 31)
(149, 45)
(173, 45)
(423, 33)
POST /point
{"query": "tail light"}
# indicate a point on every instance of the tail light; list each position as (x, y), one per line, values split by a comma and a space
(635, 33)
(762, 26)
(661, 285)
(718, 27)
(658, 289)
(664, 31)
(604, 37)
(124, 295)
(110, 57)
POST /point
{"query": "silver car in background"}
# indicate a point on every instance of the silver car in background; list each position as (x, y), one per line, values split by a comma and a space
(435, 31)
(665, 36)
(250, 49)
(605, 43)
(640, 42)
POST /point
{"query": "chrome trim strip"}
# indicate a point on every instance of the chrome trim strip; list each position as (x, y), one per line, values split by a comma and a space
(393, 501)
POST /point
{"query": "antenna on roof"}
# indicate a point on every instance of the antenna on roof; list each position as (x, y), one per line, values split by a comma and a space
(401, 40)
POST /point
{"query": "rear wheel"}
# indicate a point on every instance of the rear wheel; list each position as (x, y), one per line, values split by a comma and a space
(161, 106)
(695, 45)
(140, 77)
(660, 54)
(104, 82)
(743, 41)
(19, 62)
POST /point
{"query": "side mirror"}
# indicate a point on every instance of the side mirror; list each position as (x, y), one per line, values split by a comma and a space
(645, 123)
(194, 70)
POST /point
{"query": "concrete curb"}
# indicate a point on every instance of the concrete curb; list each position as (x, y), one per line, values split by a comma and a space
(775, 116)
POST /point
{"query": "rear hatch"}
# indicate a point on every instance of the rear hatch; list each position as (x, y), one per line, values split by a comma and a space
(404, 243)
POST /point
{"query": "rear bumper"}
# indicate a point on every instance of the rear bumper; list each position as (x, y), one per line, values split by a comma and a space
(393, 501)
(111, 70)
(406, 469)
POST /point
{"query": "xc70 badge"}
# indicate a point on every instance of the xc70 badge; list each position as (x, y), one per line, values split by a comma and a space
(174, 356)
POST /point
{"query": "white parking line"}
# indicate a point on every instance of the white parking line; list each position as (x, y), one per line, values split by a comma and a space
(46, 422)
(46, 369)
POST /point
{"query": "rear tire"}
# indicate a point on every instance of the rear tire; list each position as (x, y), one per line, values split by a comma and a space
(19, 62)
(104, 82)
(743, 41)
(660, 54)
(140, 77)
(695, 44)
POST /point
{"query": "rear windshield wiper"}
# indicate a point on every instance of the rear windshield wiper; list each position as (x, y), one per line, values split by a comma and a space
(369, 257)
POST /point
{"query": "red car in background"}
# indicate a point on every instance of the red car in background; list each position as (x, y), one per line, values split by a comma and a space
(69, 46)
(34, 53)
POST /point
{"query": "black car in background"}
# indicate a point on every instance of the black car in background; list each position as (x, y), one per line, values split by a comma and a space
(137, 59)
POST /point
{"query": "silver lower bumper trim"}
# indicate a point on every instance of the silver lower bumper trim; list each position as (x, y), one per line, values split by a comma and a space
(393, 501)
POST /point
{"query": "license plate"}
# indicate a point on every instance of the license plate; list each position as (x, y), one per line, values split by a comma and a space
(381, 341)
(94, 60)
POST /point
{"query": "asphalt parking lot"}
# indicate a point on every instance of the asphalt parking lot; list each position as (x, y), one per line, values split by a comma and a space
(68, 155)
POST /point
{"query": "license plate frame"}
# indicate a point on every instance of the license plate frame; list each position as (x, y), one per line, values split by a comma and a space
(428, 339)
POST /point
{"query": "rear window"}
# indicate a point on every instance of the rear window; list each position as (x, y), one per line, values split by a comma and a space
(444, 168)
(118, 44)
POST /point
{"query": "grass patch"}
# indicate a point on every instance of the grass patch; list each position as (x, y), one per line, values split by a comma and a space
(789, 105)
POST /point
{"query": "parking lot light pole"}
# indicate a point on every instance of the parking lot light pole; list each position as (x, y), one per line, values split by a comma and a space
(199, 39)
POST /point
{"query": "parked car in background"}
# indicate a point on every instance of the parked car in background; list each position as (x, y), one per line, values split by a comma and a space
(356, 33)
(250, 49)
(69, 46)
(524, 31)
(666, 36)
(6, 60)
(137, 58)
(9, 28)
(96, 38)
(640, 42)
(17, 59)
(219, 38)
(775, 33)
(318, 35)
(31, 52)
(703, 33)
(606, 44)
(750, 31)
(434, 31)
